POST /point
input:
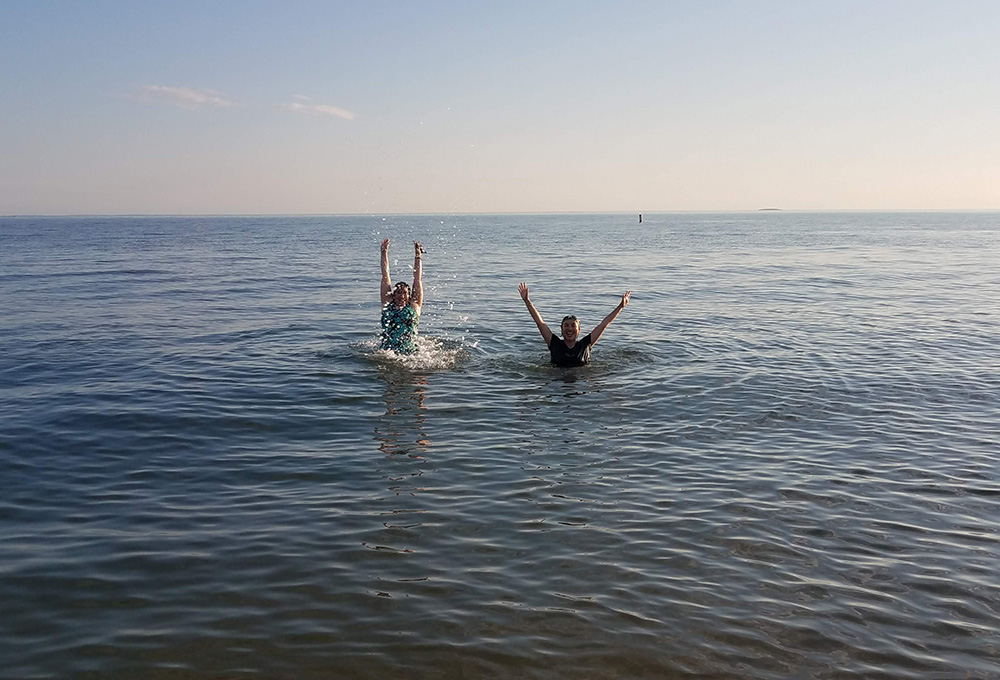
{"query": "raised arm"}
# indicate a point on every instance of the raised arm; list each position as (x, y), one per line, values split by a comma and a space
(596, 333)
(542, 328)
(417, 295)
(386, 281)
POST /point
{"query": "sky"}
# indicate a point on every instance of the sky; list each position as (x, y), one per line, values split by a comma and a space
(380, 106)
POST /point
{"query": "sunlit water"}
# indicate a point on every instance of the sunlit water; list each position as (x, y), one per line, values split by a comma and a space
(783, 461)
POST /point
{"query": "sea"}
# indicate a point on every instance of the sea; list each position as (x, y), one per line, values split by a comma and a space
(782, 462)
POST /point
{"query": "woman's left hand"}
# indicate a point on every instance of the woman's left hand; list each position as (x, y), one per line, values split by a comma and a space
(625, 298)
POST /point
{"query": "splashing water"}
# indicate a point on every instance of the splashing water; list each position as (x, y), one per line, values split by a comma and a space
(433, 354)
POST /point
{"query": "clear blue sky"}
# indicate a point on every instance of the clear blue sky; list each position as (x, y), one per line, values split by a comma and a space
(379, 106)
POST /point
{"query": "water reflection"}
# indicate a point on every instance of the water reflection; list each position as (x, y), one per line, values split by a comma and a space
(401, 430)
(569, 376)
(401, 434)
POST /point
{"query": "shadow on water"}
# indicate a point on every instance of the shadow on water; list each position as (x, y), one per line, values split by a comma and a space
(570, 413)
(402, 429)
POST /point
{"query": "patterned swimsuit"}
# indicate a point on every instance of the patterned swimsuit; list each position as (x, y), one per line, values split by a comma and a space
(399, 328)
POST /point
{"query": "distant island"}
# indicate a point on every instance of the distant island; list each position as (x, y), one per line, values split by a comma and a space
(763, 209)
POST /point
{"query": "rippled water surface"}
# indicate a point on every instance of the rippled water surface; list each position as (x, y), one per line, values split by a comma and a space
(783, 461)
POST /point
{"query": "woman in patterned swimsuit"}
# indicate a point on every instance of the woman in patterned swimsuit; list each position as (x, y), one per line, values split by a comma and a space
(400, 307)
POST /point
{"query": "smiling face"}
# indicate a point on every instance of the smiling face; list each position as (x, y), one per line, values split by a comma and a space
(401, 295)
(570, 328)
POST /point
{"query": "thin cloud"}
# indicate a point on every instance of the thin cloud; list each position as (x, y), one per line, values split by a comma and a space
(317, 109)
(183, 97)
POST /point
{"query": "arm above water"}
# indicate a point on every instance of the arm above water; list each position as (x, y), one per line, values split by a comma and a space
(417, 295)
(386, 281)
(542, 328)
(596, 333)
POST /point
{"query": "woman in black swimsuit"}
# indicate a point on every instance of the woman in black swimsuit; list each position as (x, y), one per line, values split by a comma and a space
(570, 350)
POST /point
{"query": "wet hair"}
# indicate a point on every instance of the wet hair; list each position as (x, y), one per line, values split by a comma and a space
(401, 284)
(571, 317)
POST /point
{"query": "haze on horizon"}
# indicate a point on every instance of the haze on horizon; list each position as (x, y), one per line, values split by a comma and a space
(452, 107)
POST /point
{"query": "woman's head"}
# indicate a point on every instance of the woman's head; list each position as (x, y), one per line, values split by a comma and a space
(570, 327)
(401, 294)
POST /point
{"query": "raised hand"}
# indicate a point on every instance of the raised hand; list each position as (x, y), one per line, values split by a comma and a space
(625, 298)
(523, 290)
(386, 279)
(417, 249)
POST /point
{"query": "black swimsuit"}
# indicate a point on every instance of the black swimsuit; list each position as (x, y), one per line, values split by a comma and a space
(577, 355)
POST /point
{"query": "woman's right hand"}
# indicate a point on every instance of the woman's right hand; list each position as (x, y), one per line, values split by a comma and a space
(385, 246)
(523, 290)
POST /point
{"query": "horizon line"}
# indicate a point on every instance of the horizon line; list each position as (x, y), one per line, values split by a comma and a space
(515, 212)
